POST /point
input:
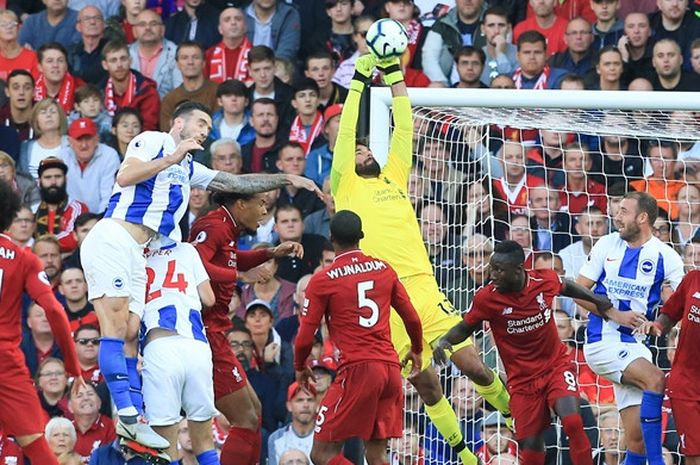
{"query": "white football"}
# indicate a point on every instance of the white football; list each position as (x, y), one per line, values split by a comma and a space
(387, 38)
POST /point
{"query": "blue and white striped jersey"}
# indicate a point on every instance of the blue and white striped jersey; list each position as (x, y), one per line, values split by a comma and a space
(159, 202)
(631, 278)
(172, 301)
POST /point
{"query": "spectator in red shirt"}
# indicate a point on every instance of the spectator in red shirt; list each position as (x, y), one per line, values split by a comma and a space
(121, 27)
(546, 22)
(57, 213)
(512, 189)
(129, 88)
(74, 289)
(229, 58)
(12, 54)
(87, 343)
(54, 80)
(92, 428)
(578, 192)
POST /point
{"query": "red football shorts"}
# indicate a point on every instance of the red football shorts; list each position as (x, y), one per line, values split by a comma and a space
(20, 411)
(229, 374)
(531, 404)
(365, 400)
(687, 416)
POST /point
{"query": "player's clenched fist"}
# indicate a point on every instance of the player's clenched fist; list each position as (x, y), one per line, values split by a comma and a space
(288, 248)
(184, 147)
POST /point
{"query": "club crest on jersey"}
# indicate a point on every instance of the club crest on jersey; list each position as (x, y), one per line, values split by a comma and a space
(43, 278)
(507, 311)
(117, 283)
(647, 266)
(201, 237)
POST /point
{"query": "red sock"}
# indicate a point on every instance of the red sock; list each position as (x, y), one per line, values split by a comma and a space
(242, 447)
(38, 452)
(531, 457)
(579, 445)
(339, 460)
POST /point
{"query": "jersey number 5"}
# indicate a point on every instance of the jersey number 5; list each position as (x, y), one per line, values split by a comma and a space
(365, 302)
(178, 283)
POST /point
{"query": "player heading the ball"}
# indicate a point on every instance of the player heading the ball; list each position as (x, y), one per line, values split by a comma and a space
(149, 198)
(379, 196)
(355, 295)
(541, 376)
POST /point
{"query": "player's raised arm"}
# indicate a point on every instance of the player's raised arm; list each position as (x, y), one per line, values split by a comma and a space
(459, 332)
(255, 183)
(344, 150)
(401, 148)
(138, 165)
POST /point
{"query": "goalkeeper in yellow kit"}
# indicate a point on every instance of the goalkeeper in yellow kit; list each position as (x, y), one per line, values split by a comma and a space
(379, 197)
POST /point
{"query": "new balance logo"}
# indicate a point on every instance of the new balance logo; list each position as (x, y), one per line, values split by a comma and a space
(696, 295)
(507, 311)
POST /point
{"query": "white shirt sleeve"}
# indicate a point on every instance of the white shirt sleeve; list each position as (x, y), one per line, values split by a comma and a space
(593, 266)
(201, 175)
(146, 146)
(674, 268)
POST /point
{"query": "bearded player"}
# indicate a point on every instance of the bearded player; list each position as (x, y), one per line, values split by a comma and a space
(20, 411)
(355, 295)
(215, 235)
(379, 197)
(541, 376)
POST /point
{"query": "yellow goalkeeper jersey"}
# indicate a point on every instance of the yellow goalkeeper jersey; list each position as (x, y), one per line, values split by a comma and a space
(388, 219)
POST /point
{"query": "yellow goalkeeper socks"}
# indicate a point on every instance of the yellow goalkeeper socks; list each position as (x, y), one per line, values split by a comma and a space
(497, 395)
(445, 420)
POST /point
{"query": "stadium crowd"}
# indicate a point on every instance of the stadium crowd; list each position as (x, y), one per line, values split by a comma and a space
(82, 78)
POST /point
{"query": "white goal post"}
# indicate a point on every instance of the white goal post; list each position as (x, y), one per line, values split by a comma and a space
(465, 118)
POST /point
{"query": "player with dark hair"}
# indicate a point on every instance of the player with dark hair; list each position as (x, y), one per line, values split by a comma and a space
(20, 271)
(214, 236)
(541, 376)
(355, 295)
(378, 195)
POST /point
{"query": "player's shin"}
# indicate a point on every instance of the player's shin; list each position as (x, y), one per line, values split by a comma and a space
(496, 395)
(580, 446)
(650, 419)
(112, 363)
(134, 383)
(445, 420)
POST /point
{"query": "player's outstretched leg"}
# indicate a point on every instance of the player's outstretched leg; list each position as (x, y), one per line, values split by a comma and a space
(113, 315)
(441, 413)
(487, 383)
(579, 446)
(647, 377)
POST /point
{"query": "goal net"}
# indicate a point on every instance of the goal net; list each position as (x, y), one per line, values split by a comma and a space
(550, 178)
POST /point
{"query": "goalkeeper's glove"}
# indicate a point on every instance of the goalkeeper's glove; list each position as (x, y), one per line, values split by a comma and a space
(391, 68)
(364, 68)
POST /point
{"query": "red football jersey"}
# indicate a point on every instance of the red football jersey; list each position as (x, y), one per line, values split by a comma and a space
(214, 236)
(100, 433)
(22, 271)
(356, 294)
(684, 306)
(523, 326)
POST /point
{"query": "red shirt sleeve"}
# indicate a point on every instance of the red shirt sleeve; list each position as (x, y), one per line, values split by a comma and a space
(403, 306)
(248, 259)
(674, 307)
(208, 245)
(37, 286)
(309, 321)
(475, 315)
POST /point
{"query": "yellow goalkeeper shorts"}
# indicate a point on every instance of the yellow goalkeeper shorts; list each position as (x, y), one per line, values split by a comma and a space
(437, 315)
